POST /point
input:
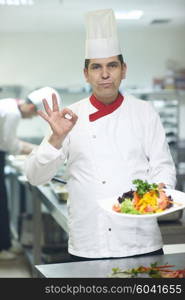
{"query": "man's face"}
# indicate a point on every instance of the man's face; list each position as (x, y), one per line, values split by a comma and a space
(105, 75)
(28, 111)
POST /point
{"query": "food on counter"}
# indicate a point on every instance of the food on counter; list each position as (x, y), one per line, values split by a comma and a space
(59, 190)
(153, 271)
(146, 199)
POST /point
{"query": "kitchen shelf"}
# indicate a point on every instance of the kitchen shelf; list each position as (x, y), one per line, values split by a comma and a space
(167, 104)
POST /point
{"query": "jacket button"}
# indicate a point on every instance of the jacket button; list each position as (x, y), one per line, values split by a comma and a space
(103, 182)
(94, 136)
(109, 229)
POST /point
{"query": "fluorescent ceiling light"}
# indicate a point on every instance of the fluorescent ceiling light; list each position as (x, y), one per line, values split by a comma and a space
(16, 2)
(130, 15)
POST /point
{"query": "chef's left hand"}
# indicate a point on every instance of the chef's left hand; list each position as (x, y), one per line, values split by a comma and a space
(161, 185)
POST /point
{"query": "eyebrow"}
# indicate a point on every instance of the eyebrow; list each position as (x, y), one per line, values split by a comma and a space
(94, 64)
(109, 63)
(113, 62)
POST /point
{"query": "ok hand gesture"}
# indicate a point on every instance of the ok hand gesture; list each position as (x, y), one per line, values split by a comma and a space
(61, 122)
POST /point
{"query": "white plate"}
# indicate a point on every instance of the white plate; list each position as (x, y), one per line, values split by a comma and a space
(177, 196)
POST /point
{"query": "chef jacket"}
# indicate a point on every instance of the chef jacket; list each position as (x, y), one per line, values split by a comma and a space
(9, 120)
(103, 158)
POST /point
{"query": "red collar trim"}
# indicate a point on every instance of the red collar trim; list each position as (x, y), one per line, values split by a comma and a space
(104, 109)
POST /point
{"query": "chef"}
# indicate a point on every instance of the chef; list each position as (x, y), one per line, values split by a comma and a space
(109, 139)
(11, 112)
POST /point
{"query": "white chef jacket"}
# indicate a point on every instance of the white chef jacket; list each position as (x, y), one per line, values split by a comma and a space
(103, 158)
(9, 120)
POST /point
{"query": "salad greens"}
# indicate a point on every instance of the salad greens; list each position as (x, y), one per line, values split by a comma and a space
(143, 186)
(127, 207)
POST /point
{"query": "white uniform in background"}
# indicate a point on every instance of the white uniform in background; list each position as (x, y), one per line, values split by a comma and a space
(9, 120)
(103, 157)
(10, 115)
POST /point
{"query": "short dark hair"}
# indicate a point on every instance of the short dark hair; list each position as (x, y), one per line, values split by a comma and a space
(120, 57)
(28, 101)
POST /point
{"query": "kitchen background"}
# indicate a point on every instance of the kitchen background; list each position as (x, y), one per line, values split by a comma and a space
(42, 43)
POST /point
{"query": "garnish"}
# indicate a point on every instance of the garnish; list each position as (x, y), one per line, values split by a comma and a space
(142, 187)
(152, 271)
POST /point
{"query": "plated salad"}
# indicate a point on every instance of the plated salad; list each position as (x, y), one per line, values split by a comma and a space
(145, 199)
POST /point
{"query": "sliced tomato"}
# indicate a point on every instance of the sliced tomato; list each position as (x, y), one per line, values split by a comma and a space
(116, 207)
(149, 208)
(136, 198)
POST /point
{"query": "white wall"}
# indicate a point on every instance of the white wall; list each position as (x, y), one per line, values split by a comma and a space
(147, 52)
(40, 59)
(36, 59)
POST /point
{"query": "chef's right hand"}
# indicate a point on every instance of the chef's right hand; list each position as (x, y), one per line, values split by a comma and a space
(61, 122)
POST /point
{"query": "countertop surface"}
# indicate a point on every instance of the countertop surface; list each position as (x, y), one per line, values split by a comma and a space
(103, 268)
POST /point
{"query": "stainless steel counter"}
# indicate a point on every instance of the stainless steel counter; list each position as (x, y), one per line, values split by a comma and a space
(57, 209)
(103, 268)
(43, 193)
(39, 195)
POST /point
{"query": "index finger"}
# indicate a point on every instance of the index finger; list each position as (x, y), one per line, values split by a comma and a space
(66, 111)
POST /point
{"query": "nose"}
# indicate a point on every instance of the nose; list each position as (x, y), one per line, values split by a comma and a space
(105, 73)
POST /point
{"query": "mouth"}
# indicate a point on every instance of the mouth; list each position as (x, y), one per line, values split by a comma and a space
(106, 84)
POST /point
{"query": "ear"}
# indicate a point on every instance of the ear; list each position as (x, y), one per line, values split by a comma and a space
(124, 70)
(86, 74)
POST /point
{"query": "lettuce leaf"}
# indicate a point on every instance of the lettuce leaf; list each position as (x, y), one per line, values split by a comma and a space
(127, 207)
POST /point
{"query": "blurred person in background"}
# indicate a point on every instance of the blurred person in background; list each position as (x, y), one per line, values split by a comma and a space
(11, 112)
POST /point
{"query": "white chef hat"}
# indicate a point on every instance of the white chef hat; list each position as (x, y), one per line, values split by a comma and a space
(101, 34)
(38, 95)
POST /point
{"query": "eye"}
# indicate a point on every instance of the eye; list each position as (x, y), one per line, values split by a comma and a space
(94, 67)
(113, 65)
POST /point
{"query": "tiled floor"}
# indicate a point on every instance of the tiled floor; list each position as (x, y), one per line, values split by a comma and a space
(16, 268)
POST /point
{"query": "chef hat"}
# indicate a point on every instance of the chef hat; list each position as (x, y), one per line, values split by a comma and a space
(37, 96)
(101, 34)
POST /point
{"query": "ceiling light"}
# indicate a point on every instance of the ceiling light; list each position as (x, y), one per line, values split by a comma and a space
(16, 2)
(130, 15)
